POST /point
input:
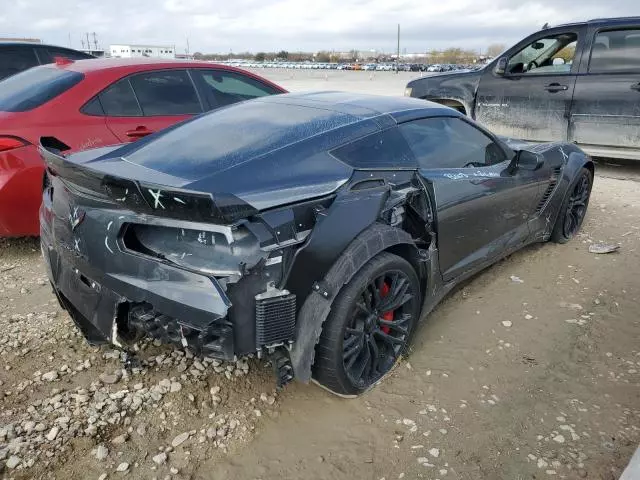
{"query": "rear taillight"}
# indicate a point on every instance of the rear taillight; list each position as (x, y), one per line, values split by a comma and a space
(9, 143)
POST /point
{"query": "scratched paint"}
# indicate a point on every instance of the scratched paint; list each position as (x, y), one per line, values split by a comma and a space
(157, 195)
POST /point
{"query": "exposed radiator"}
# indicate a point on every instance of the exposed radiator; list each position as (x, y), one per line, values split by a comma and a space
(275, 318)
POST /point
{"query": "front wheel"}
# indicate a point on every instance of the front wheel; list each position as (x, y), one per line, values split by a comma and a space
(574, 208)
(369, 326)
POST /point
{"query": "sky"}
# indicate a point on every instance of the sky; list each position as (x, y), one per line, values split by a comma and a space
(217, 26)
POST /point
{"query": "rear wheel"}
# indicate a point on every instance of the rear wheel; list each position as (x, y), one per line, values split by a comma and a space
(574, 208)
(369, 326)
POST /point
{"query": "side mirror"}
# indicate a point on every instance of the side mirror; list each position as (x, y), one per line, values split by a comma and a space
(501, 66)
(526, 160)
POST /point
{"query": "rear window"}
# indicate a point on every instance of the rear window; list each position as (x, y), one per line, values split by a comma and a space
(32, 88)
(615, 51)
(230, 136)
(16, 60)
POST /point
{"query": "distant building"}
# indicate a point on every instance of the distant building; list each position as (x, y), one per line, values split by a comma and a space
(132, 51)
(96, 53)
(30, 40)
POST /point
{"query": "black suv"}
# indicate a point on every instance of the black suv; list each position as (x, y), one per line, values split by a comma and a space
(18, 56)
(578, 83)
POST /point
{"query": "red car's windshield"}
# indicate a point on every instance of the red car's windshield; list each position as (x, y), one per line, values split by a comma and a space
(34, 87)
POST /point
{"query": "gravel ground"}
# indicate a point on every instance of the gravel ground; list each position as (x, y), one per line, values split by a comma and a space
(68, 409)
(528, 371)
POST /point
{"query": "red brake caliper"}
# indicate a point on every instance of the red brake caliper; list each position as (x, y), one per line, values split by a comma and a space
(388, 316)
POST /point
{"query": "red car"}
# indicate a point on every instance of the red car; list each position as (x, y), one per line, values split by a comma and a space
(92, 103)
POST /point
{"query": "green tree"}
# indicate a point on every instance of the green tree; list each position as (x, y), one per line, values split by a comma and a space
(260, 56)
(283, 55)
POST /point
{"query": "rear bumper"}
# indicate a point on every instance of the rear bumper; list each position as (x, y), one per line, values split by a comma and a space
(21, 173)
(167, 303)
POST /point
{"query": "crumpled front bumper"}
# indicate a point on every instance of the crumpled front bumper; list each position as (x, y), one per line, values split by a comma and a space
(138, 296)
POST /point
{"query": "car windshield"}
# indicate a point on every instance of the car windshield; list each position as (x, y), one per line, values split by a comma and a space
(34, 87)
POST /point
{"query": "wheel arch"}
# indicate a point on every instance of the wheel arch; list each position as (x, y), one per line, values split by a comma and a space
(452, 103)
(589, 165)
(411, 254)
(375, 239)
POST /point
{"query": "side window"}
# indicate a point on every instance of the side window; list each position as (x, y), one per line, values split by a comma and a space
(551, 55)
(14, 60)
(387, 149)
(615, 51)
(168, 92)
(93, 107)
(224, 88)
(118, 100)
(444, 142)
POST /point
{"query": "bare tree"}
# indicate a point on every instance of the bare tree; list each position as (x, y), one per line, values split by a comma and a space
(495, 49)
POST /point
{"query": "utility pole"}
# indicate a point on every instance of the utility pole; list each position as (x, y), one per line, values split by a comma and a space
(69, 39)
(88, 42)
(95, 41)
(398, 52)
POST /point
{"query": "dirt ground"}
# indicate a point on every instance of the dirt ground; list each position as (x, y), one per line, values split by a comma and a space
(528, 371)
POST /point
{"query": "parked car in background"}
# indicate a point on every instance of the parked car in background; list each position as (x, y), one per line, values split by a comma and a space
(18, 56)
(320, 236)
(578, 83)
(93, 103)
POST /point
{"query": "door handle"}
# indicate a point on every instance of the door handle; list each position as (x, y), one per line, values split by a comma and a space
(555, 87)
(636, 87)
(138, 132)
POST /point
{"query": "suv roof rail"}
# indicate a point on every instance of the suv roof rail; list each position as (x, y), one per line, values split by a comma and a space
(604, 19)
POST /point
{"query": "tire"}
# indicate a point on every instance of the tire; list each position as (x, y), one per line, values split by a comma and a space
(355, 331)
(574, 208)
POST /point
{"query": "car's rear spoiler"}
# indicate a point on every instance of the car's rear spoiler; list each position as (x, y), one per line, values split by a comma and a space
(146, 197)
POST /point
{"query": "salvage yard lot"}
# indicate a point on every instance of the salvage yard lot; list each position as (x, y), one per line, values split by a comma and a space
(377, 83)
(530, 370)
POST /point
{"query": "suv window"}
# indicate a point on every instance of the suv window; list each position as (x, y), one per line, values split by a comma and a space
(550, 55)
(446, 142)
(34, 87)
(118, 100)
(224, 88)
(615, 50)
(387, 149)
(15, 60)
(169, 92)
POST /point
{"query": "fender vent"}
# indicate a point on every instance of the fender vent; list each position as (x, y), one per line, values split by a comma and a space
(275, 318)
(553, 181)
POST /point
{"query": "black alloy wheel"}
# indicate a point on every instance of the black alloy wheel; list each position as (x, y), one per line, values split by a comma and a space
(574, 208)
(379, 328)
(369, 326)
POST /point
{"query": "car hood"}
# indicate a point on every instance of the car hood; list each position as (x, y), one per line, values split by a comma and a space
(445, 75)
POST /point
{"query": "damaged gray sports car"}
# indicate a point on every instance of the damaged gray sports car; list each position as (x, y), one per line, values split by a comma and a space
(315, 229)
